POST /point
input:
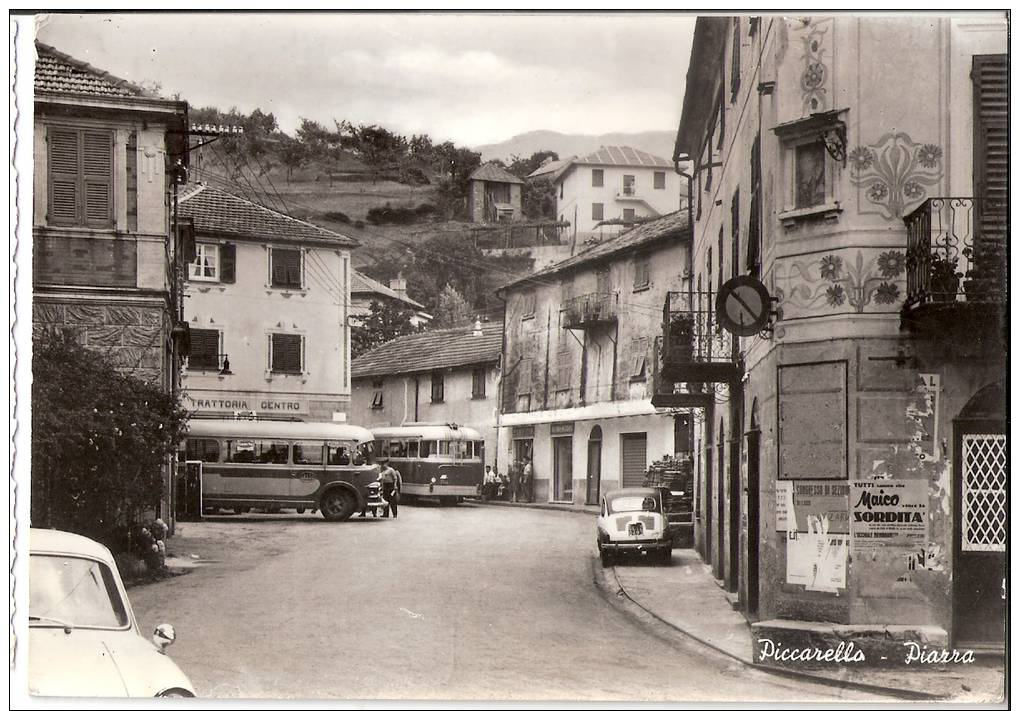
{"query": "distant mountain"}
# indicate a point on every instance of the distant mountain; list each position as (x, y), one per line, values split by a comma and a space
(658, 143)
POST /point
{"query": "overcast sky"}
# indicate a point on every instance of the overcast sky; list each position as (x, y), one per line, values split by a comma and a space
(470, 78)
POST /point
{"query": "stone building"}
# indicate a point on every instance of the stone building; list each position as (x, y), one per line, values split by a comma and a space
(577, 377)
(494, 195)
(852, 462)
(268, 306)
(102, 253)
(445, 375)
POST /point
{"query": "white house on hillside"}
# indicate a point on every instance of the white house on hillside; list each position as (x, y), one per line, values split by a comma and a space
(615, 184)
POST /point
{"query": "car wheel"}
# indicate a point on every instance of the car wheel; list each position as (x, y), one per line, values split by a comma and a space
(666, 556)
(300, 511)
(606, 557)
(337, 505)
(241, 510)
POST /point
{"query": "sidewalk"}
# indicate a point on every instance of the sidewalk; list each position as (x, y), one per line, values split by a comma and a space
(569, 508)
(687, 598)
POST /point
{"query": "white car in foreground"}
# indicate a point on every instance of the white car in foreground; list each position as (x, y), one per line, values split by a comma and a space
(83, 638)
(632, 521)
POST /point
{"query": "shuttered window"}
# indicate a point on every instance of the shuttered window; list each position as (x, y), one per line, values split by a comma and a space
(634, 448)
(641, 270)
(754, 222)
(205, 349)
(638, 358)
(564, 368)
(990, 75)
(285, 268)
(438, 387)
(735, 61)
(80, 167)
(478, 383)
(286, 351)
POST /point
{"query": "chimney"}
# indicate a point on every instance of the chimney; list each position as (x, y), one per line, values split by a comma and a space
(478, 327)
(399, 285)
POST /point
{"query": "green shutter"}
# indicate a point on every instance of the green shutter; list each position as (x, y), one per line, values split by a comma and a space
(991, 165)
(64, 157)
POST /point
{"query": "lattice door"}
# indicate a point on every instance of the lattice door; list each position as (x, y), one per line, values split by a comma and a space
(983, 513)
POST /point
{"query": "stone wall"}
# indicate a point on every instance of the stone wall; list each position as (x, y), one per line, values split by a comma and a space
(132, 336)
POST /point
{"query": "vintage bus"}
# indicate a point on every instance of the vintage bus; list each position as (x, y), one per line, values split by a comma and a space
(437, 461)
(249, 464)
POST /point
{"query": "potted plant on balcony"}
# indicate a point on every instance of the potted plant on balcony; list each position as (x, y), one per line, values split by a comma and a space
(680, 338)
(943, 277)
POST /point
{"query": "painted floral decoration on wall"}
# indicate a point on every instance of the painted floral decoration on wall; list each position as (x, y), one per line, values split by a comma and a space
(831, 281)
(895, 172)
(815, 71)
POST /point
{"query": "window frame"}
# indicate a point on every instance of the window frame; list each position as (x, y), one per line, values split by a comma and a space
(598, 177)
(601, 211)
(437, 382)
(200, 249)
(478, 384)
(629, 186)
(378, 394)
(81, 179)
(791, 136)
(215, 363)
(272, 353)
(642, 266)
(529, 304)
(301, 269)
(659, 180)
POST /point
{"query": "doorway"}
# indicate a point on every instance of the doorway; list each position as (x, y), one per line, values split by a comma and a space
(980, 474)
(563, 469)
(634, 454)
(594, 474)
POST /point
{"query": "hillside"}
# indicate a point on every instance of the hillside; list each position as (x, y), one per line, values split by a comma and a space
(658, 143)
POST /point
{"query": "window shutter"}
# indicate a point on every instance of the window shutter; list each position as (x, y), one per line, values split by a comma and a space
(205, 346)
(228, 259)
(735, 61)
(991, 160)
(64, 155)
(754, 222)
(97, 174)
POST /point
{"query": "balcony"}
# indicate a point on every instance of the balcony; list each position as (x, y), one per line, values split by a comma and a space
(694, 348)
(628, 192)
(956, 263)
(598, 308)
(666, 393)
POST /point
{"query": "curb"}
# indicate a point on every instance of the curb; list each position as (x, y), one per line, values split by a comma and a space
(565, 508)
(602, 580)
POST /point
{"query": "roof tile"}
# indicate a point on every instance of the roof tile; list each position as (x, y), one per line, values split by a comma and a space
(674, 224)
(431, 350)
(215, 210)
(624, 156)
(59, 73)
(495, 174)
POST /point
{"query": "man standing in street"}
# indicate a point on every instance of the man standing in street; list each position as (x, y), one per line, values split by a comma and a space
(390, 480)
(515, 480)
(526, 479)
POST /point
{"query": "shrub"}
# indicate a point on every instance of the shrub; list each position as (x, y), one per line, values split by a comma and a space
(337, 216)
(100, 441)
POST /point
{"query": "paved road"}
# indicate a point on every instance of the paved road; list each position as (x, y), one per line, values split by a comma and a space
(441, 603)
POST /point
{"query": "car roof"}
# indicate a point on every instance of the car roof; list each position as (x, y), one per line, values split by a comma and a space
(632, 491)
(46, 540)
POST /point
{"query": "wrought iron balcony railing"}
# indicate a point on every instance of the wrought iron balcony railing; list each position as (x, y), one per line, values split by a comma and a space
(589, 310)
(694, 348)
(956, 251)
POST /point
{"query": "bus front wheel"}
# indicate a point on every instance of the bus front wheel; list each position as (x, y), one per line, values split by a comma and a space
(337, 505)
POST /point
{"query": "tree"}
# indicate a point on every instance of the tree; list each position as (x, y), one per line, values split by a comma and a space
(453, 309)
(293, 154)
(523, 167)
(538, 199)
(385, 322)
(100, 441)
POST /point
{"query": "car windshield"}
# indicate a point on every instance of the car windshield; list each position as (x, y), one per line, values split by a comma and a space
(75, 592)
(633, 503)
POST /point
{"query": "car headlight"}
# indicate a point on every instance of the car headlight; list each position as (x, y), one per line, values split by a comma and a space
(175, 694)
